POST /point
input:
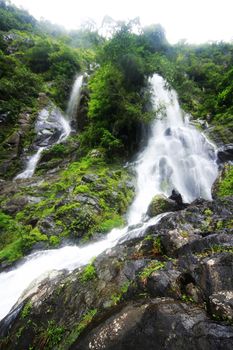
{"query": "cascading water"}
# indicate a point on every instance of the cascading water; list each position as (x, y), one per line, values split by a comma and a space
(74, 98)
(31, 165)
(54, 123)
(177, 156)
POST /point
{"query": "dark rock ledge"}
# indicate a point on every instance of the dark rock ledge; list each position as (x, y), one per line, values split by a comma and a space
(171, 289)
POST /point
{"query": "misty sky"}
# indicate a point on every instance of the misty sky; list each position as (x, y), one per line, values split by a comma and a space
(195, 20)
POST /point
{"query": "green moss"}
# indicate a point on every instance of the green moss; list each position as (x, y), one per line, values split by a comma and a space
(159, 205)
(54, 241)
(117, 297)
(215, 249)
(221, 224)
(108, 224)
(20, 331)
(20, 246)
(225, 186)
(78, 329)
(156, 248)
(26, 310)
(57, 150)
(106, 201)
(9, 228)
(187, 298)
(52, 336)
(82, 189)
(219, 318)
(153, 266)
(88, 273)
(208, 212)
(11, 252)
(184, 234)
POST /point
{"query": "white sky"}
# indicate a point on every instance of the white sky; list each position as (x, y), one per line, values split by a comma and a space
(195, 20)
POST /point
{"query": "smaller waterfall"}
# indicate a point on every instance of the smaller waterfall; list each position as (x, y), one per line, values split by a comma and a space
(52, 127)
(74, 98)
(31, 165)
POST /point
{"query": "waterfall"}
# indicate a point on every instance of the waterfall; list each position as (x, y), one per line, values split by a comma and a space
(176, 156)
(74, 98)
(31, 165)
(53, 127)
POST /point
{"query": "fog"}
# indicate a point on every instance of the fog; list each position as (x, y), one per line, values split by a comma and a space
(194, 20)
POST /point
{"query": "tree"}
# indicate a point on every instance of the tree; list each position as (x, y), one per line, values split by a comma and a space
(155, 37)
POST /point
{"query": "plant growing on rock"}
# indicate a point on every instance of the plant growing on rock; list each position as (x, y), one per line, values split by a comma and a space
(88, 273)
(149, 269)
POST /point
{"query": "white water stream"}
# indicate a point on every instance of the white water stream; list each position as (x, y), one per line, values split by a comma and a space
(74, 97)
(177, 156)
(58, 122)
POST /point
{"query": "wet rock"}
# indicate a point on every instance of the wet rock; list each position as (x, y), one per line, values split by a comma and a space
(48, 126)
(201, 217)
(14, 205)
(220, 135)
(163, 283)
(214, 273)
(194, 292)
(49, 227)
(24, 122)
(126, 309)
(161, 204)
(13, 143)
(225, 153)
(203, 245)
(96, 153)
(89, 200)
(221, 305)
(168, 324)
(89, 178)
(173, 240)
(176, 196)
(38, 291)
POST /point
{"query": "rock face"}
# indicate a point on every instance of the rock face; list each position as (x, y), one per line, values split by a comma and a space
(169, 289)
(225, 153)
(161, 204)
(220, 134)
(48, 126)
(151, 326)
(223, 184)
(37, 129)
(76, 203)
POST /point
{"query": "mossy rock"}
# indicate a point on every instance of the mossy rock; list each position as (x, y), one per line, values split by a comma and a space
(223, 186)
(220, 134)
(161, 204)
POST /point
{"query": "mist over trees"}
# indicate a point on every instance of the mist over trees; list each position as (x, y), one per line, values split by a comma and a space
(43, 57)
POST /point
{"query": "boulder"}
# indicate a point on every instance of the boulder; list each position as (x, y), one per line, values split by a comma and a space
(225, 153)
(176, 196)
(89, 178)
(161, 204)
(221, 305)
(15, 204)
(161, 324)
(214, 273)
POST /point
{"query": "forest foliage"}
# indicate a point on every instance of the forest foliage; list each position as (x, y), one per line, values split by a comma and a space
(40, 57)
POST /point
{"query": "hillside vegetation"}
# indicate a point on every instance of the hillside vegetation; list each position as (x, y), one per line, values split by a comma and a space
(171, 285)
